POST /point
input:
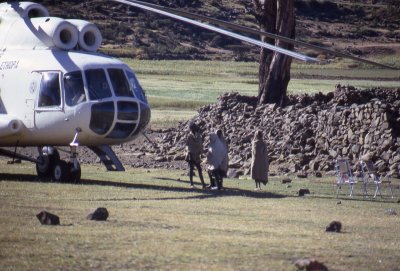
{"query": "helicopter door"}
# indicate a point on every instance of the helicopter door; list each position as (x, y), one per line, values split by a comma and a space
(29, 108)
(29, 113)
(49, 104)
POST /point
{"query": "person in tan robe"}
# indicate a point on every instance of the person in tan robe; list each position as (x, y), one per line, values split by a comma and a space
(259, 160)
(194, 147)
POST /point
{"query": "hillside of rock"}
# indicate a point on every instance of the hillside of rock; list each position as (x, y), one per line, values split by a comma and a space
(364, 28)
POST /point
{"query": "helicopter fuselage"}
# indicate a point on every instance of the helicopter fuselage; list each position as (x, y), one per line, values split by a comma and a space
(50, 94)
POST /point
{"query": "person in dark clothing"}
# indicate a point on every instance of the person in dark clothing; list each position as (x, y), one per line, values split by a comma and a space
(194, 147)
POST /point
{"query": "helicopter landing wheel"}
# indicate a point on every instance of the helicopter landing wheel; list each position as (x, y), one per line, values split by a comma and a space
(60, 172)
(43, 168)
(46, 163)
(74, 173)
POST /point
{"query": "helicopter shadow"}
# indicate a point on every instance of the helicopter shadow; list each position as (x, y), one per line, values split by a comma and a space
(196, 193)
(20, 178)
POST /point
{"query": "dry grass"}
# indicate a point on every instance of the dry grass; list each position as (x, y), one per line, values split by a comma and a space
(157, 223)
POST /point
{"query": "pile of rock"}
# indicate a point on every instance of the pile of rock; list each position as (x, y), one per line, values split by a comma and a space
(308, 134)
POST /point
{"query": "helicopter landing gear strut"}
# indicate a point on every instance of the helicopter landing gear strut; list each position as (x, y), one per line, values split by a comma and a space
(73, 166)
(49, 164)
(48, 157)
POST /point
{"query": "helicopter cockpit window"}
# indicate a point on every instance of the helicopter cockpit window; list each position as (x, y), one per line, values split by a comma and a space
(119, 83)
(74, 90)
(49, 94)
(135, 86)
(97, 84)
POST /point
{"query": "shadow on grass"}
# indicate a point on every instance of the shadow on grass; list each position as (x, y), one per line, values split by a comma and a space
(344, 198)
(200, 193)
(20, 177)
(196, 193)
(171, 179)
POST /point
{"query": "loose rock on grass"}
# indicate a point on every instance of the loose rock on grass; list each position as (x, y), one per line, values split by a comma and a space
(334, 226)
(100, 214)
(47, 218)
(310, 265)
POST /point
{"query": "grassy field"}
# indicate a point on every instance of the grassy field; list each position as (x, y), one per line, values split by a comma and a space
(157, 222)
(184, 86)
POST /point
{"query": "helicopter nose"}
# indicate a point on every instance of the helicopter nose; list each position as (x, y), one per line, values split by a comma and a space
(102, 117)
(131, 118)
(145, 115)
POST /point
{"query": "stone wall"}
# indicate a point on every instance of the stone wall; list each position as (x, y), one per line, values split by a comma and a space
(309, 133)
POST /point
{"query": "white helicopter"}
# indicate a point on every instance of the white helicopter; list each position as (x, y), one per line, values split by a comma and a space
(56, 90)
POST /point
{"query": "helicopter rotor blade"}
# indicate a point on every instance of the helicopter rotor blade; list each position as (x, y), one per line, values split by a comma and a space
(219, 30)
(249, 30)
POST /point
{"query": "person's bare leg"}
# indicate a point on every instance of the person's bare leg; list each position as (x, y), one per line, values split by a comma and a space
(201, 175)
(191, 168)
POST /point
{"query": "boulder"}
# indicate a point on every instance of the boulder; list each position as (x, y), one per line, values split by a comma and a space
(318, 174)
(302, 175)
(334, 226)
(310, 265)
(100, 214)
(303, 191)
(47, 218)
(286, 180)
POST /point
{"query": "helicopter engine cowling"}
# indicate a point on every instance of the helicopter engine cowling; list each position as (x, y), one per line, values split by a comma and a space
(89, 35)
(41, 33)
(56, 32)
(9, 126)
(24, 10)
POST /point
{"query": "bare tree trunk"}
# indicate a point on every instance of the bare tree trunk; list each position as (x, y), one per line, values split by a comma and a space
(265, 12)
(277, 17)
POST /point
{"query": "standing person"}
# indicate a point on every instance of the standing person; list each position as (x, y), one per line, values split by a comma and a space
(259, 160)
(194, 147)
(225, 161)
(215, 158)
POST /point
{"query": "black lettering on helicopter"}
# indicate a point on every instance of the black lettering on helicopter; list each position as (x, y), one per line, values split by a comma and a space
(9, 65)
